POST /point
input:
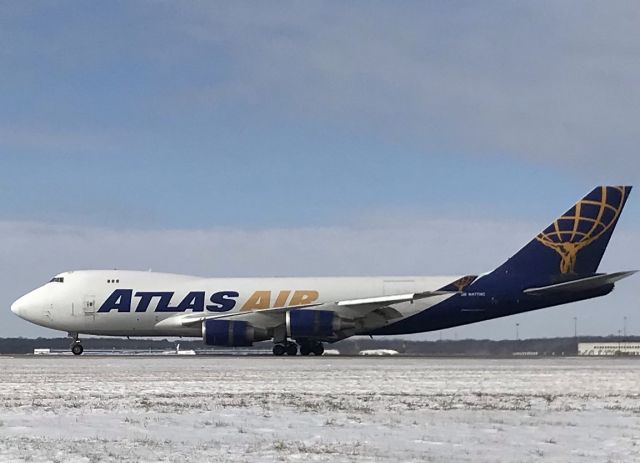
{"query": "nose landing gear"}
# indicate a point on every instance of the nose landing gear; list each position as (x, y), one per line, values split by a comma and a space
(76, 346)
(77, 349)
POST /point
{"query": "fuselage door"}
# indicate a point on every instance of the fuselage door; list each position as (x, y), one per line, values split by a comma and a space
(89, 305)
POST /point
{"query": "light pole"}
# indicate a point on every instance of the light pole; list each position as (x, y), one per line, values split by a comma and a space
(517, 333)
(619, 346)
(625, 327)
(575, 327)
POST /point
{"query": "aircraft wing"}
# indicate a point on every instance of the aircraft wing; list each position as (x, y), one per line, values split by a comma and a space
(347, 309)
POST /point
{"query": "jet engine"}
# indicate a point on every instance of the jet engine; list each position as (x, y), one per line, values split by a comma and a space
(231, 333)
(321, 324)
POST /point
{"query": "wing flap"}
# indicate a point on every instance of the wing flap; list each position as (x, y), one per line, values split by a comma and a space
(396, 299)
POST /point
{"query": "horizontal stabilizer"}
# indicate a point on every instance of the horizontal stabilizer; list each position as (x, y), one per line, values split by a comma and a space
(582, 284)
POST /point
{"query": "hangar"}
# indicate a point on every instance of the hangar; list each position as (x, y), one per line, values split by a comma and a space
(609, 348)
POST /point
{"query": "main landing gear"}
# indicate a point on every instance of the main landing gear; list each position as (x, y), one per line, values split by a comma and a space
(291, 348)
(315, 348)
(76, 346)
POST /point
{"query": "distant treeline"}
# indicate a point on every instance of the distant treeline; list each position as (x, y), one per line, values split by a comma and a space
(463, 347)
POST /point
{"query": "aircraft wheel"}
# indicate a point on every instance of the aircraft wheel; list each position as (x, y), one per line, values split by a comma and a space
(77, 349)
(318, 349)
(305, 349)
(279, 350)
(292, 349)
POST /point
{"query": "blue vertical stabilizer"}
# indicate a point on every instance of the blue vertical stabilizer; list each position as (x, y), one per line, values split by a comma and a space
(572, 246)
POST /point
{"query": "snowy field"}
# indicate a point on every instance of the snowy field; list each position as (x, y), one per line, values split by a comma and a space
(318, 409)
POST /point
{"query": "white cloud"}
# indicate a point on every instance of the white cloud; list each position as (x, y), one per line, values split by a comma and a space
(550, 82)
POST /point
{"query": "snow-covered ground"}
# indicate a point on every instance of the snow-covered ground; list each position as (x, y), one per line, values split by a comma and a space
(318, 409)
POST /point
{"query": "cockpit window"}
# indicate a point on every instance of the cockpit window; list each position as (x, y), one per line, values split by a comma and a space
(57, 280)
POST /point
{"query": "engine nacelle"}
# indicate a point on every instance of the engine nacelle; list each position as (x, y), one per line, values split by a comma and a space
(231, 333)
(323, 324)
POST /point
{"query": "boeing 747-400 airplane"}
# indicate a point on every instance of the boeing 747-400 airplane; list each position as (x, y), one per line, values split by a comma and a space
(300, 314)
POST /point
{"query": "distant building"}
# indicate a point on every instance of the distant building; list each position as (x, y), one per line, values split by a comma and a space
(41, 351)
(609, 348)
(179, 352)
(379, 352)
(331, 352)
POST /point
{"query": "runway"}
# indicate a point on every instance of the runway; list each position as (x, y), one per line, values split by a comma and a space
(318, 409)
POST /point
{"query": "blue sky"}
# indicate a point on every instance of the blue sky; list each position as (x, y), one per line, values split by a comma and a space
(155, 117)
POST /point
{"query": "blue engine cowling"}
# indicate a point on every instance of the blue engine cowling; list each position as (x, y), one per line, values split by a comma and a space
(227, 333)
(311, 323)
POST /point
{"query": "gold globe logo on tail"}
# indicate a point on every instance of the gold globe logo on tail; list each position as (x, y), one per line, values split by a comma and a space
(587, 221)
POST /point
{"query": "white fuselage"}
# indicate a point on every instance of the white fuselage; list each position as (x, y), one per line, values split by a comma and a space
(130, 303)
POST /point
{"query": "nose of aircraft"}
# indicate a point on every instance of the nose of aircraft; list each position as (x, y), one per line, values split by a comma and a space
(24, 307)
(30, 307)
(16, 308)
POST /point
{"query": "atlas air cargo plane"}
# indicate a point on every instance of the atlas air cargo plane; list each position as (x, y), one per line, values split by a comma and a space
(560, 265)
